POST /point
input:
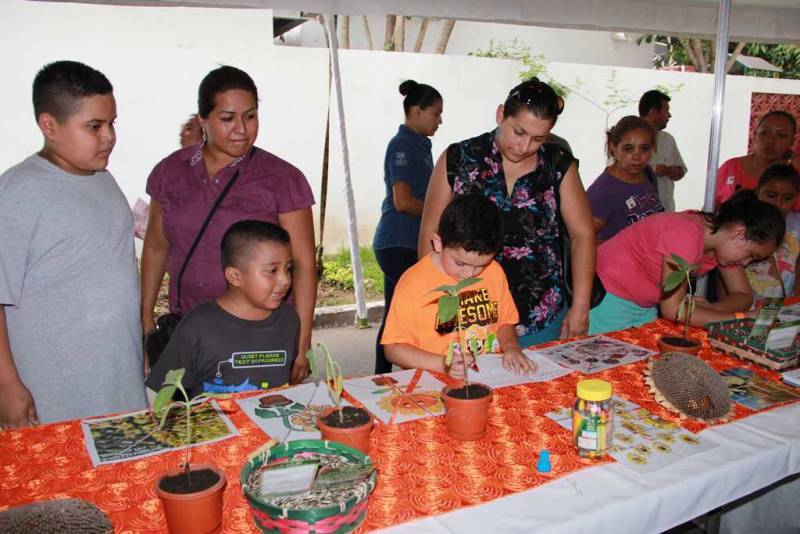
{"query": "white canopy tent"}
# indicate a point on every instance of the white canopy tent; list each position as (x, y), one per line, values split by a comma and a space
(751, 20)
(771, 21)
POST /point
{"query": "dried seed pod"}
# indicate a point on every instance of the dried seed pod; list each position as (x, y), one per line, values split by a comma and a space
(689, 386)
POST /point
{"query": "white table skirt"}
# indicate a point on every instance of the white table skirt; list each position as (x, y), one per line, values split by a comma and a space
(752, 453)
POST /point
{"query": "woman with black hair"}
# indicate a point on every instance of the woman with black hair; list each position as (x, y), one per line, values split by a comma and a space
(185, 185)
(635, 264)
(536, 186)
(774, 137)
(407, 169)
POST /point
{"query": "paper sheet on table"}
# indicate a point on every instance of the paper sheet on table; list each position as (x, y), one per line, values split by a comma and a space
(493, 374)
(595, 354)
(137, 435)
(388, 396)
(289, 413)
(643, 441)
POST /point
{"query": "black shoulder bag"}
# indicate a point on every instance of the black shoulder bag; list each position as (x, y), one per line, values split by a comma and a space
(156, 340)
(598, 291)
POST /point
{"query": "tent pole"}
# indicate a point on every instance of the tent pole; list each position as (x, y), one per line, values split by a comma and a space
(719, 94)
(716, 117)
(352, 227)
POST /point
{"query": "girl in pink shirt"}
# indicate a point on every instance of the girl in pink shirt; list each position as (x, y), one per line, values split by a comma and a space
(634, 264)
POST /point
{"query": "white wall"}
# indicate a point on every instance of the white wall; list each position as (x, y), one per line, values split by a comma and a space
(155, 57)
(572, 46)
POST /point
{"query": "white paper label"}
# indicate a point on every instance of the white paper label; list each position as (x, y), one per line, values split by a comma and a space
(288, 480)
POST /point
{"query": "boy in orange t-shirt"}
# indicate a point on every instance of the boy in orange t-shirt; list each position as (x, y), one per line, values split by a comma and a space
(470, 234)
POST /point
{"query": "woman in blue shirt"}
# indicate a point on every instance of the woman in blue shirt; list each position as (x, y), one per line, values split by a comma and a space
(407, 169)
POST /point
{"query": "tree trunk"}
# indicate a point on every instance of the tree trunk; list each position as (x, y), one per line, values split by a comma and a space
(700, 55)
(421, 35)
(368, 33)
(444, 36)
(400, 34)
(735, 54)
(388, 33)
(346, 32)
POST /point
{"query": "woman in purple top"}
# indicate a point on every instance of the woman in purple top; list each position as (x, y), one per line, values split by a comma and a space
(184, 186)
(626, 191)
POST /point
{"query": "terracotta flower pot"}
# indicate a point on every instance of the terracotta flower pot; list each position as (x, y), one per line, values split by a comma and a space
(354, 436)
(466, 419)
(193, 513)
(689, 345)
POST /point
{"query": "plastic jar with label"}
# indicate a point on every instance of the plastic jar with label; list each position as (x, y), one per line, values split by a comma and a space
(593, 419)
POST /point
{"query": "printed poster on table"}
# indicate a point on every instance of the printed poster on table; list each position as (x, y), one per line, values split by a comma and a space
(291, 413)
(136, 435)
(595, 354)
(390, 399)
(643, 441)
(756, 392)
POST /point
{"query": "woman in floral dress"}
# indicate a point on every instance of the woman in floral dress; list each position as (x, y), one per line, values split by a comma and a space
(534, 183)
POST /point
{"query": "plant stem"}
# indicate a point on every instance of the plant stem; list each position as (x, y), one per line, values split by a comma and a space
(188, 406)
(461, 347)
(687, 302)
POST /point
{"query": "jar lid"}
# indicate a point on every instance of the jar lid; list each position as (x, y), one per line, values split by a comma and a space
(594, 390)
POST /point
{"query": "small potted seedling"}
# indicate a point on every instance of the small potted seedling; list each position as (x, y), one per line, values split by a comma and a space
(466, 407)
(191, 494)
(683, 271)
(346, 424)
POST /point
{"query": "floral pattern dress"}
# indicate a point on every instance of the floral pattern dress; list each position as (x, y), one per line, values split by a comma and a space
(531, 253)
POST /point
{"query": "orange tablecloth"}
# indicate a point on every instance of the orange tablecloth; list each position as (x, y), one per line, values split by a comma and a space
(421, 470)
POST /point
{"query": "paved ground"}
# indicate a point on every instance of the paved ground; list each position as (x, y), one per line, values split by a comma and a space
(353, 348)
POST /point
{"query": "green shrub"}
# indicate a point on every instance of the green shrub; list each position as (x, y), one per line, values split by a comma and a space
(338, 270)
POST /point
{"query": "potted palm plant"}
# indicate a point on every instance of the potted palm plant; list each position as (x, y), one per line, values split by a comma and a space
(682, 272)
(346, 424)
(467, 406)
(191, 494)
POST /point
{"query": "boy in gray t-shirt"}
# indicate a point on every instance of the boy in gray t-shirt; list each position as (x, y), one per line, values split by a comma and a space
(70, 336)
(246, 339)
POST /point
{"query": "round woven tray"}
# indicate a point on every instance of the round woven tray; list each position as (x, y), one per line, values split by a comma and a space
(343, 517)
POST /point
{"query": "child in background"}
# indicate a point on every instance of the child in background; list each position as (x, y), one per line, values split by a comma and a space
(70, 335)
(246, 339)
(776, 277)
(469, 235)
(635, 263)
(626, 191)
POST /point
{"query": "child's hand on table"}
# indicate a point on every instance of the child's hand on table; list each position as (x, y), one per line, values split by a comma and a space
(456, 369)
(516, 362)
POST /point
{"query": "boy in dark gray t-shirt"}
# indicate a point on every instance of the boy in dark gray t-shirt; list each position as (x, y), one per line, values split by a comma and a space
(247, 338)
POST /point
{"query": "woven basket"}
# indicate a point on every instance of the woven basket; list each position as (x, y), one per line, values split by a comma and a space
(345, 517)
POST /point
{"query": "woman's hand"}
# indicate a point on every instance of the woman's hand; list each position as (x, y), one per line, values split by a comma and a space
(576, 323)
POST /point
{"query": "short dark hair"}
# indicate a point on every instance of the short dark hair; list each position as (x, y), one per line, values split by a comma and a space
(472, 222)
(59, 87)
(418, 94)
(652, 100)
(627, 124)
(763, 222)
(535, 96)
(241, 236)
(224, 78)
(780, 173)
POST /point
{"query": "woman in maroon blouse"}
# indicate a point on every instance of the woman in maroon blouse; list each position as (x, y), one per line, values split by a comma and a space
(184, 186)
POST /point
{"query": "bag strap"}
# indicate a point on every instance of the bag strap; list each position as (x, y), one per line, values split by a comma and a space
(196, 242)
